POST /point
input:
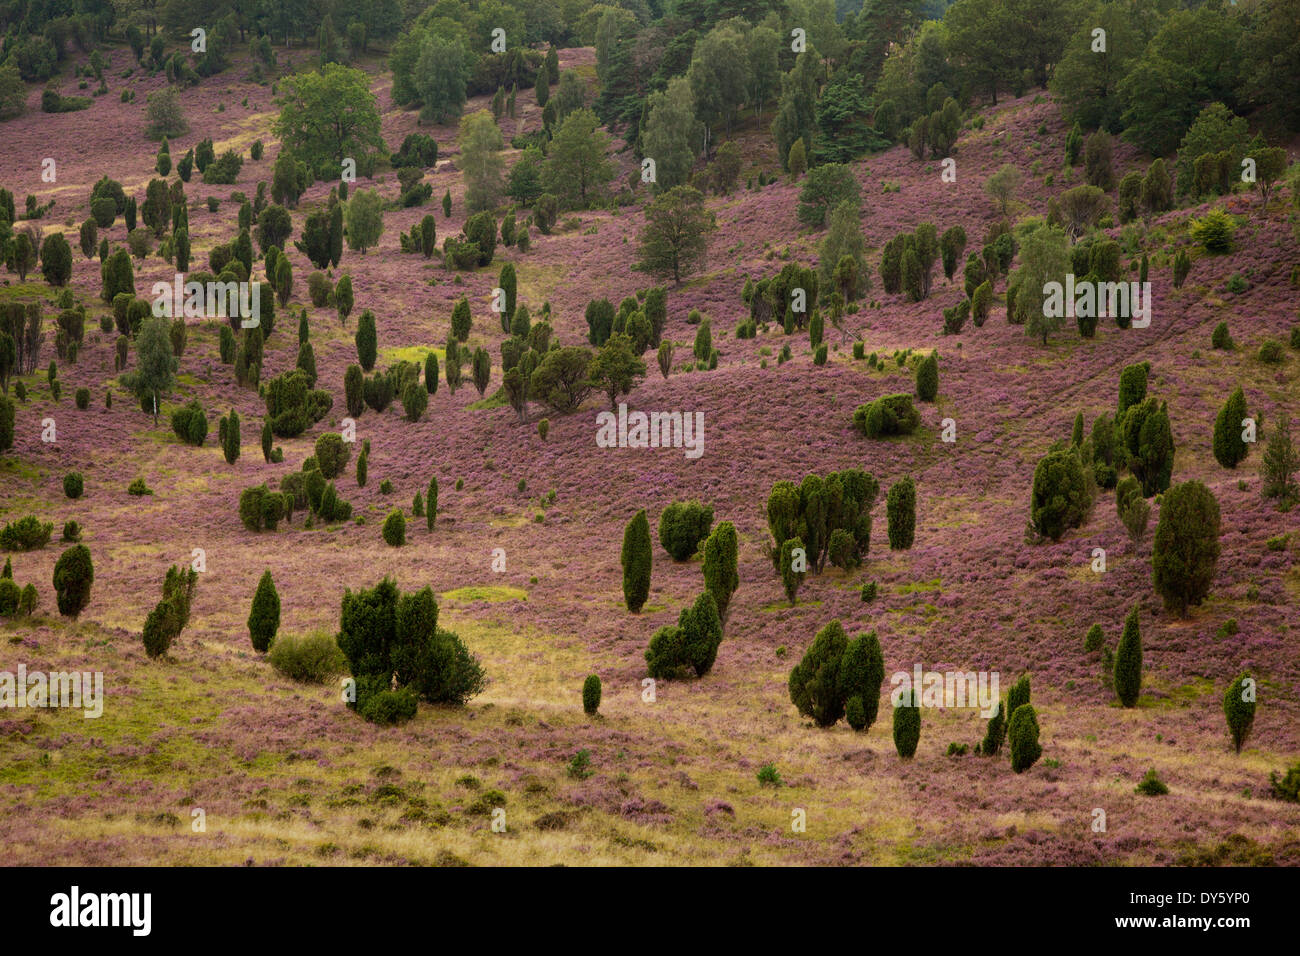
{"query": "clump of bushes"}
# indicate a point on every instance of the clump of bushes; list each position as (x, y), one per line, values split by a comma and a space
(682, 526)
(169, 617)
(888, 415)
(838, 677)
(398, 655)
(26, 534)
(190, 423)
(691, 645)
(1151, 785)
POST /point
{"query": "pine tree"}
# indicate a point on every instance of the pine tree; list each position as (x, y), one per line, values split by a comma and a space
(264, 616)
(636, 560)
(1128, 662)
(431, 503)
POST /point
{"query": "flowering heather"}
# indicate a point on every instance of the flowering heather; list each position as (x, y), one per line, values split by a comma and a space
(282, 769)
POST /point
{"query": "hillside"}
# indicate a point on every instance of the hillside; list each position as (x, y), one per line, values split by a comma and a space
(286, 774)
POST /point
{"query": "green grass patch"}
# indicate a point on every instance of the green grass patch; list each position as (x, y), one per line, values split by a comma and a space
(496, 400)
(411, 353)
(485, 592)
(915, 586)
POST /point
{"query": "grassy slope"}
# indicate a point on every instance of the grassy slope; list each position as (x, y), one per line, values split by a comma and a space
(285, 774)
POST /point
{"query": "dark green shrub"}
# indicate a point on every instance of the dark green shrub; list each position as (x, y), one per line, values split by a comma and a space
(1022, 736)
(721, 561)
(82, 398)
(332, 454)
(1229, 448)
(591, 693)
(1221, 338)
(1093, 640)
(1060, 498)
(73, 484)
(190, 423)
(907, 724)
(1185, 551)
(861, 672)
(415, 399)
(394, 530)
(996, 732)
(1239, 709)
(1288, 787)
(888, 415)
(1146, 437)
(73, 576)
(690, 646)
(251, 507)
(1151, 785)
(682, 526)
(636, 559)
(388, 636)
(843, 550)
(900, 509)
(26, 534)
(1018, 695)
(814, 682)
(1132, 386)
(138, 488)
(1270, 352)
(71, 532)
(264, 615)
(1128, 662)
(927, 378)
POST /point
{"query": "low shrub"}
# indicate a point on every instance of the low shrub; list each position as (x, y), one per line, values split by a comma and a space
(888, 415)
(26, 534)
(312, 658)
(73, 484)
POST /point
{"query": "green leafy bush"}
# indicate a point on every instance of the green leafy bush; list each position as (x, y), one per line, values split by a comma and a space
(312, 658)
